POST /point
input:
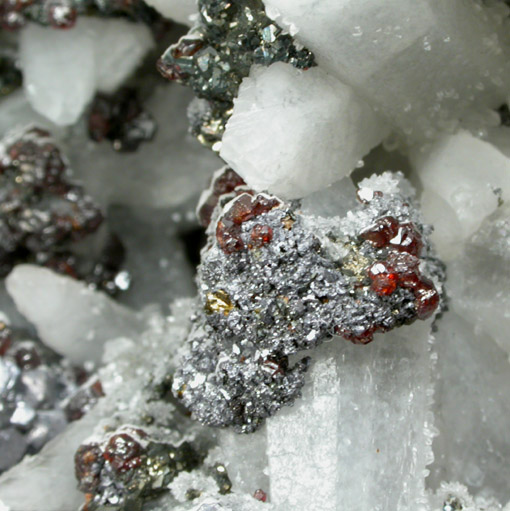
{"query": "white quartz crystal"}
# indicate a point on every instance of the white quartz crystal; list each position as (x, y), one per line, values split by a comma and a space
(62, 69)
(422, 63)
(361, 436)
(177, 10)
(293, 132)
(71, 318)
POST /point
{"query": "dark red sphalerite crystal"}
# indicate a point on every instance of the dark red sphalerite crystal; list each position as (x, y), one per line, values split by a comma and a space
(384, 279)
(123, 452)
(427, 299)
(88, 462)
(83, 400)
(260, 495)
(407, 239)
(381, 232)
(243, 208)
(225, 181)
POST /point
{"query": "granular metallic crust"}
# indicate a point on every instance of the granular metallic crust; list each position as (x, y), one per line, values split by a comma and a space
(218, 53)
(310, 279)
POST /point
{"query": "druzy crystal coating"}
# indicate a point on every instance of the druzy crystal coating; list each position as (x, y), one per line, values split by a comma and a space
(217, 54)
(271, 286)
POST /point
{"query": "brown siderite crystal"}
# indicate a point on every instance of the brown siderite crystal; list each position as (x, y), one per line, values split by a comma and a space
(5, 338)
(407, 239)
(427, 299)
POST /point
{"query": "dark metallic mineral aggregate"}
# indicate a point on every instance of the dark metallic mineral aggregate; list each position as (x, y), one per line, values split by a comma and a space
(44, 215)
(218, 53)
(274, 282)
(39, 394)
(127, 468)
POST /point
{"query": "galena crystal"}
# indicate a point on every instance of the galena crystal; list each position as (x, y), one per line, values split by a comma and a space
(37, 387)
(274, 282)
(217, 54)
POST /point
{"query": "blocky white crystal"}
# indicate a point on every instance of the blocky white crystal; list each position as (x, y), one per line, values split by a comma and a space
(63, 69)
(293, 132)
(422, 63)
(361, 436)
(178, 10)
(71, 318)
(471, 405)
(460, 175)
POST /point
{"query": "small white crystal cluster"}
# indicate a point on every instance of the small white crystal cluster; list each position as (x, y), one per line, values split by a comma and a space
(418, 419)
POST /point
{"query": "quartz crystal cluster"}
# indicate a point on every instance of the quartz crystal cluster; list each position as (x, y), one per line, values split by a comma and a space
(322, 327)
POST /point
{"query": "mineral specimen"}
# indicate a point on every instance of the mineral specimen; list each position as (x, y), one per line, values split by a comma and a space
(121, 119)
(62, 14)
(274, 282)
(39, 394)
(43, 215)
(127, 467)
(218, 52)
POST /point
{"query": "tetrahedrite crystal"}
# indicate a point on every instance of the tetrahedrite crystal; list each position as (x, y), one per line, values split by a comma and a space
(274, 282)
(219, 51)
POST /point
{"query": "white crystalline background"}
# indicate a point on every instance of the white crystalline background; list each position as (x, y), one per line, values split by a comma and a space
(418, 418)
(268, 143)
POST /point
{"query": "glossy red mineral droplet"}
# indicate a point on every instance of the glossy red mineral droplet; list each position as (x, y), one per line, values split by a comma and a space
(385, 284)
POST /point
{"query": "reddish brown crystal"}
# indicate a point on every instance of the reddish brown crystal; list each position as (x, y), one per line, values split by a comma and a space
(260, 495)
(407, 239)
(381, 232)
(27, 357)
(427, 299)
(222, 184)
(88, 461)
(5, 338)
(260, 235)
(186, 47)
(123, 452)
(243, 208)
